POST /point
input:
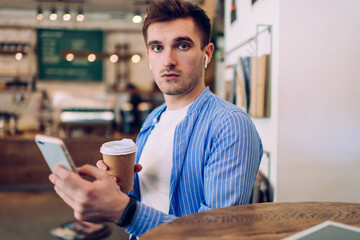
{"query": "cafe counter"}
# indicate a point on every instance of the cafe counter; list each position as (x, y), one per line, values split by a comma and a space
(23, 167)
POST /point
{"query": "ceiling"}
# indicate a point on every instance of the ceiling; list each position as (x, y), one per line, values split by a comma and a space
(73, 5)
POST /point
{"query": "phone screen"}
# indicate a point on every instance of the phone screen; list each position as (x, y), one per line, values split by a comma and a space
(54, 152)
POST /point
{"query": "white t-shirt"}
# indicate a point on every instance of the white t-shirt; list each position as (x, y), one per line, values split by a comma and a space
(156, 160)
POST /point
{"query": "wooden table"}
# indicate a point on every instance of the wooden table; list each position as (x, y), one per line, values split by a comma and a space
(256, 221)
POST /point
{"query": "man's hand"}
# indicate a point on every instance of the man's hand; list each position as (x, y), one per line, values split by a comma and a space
(97, 201)
(101, 165)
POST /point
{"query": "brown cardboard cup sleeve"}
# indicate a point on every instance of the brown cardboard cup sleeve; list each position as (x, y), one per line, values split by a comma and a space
(119, 156)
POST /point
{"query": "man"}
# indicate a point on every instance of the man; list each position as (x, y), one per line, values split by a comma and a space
(198, 152)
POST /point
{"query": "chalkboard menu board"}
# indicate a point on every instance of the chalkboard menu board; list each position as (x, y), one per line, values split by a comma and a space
(53, 65)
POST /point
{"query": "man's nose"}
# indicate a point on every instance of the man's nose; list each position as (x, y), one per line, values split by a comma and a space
(170, 59)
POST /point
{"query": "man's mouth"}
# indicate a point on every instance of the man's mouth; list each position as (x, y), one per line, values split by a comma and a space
(170, 75)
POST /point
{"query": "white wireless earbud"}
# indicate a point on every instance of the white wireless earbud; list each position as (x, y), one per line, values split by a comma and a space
(150, 66)
(206, 60)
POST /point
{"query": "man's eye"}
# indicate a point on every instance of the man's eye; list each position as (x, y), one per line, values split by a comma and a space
(156, 48)
(183, 46)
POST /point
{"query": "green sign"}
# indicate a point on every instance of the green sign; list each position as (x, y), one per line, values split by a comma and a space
(54, 44)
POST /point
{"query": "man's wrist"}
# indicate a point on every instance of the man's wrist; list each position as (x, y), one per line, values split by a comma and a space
(129, 212)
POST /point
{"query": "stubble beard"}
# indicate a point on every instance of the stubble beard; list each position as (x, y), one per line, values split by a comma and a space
(180, 87)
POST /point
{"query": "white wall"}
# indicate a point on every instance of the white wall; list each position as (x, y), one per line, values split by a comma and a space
(319, 101)
(313, 133)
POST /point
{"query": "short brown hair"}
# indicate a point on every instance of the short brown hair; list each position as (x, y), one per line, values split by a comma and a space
(167, 10)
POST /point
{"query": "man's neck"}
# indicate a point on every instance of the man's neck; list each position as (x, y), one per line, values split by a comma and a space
(174, 102)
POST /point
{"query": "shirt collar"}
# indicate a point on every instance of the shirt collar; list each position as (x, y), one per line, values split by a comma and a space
(195, 106)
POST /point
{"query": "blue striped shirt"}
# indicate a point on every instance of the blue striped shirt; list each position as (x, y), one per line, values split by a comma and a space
(216, 156)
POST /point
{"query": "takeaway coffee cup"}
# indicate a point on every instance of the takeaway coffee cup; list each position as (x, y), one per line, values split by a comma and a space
(119, 156)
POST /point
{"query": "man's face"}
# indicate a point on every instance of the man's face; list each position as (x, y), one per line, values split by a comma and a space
(175, 55)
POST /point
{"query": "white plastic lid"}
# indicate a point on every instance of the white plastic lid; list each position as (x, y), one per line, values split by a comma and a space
(118, 147)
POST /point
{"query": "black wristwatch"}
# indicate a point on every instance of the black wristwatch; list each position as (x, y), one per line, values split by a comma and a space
(128, 213)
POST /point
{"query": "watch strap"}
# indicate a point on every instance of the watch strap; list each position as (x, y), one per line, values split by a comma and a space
(128, 213)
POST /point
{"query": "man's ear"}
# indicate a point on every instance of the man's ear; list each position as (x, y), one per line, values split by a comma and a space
(208, 50)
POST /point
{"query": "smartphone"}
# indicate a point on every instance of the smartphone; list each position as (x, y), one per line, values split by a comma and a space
(54, 151)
